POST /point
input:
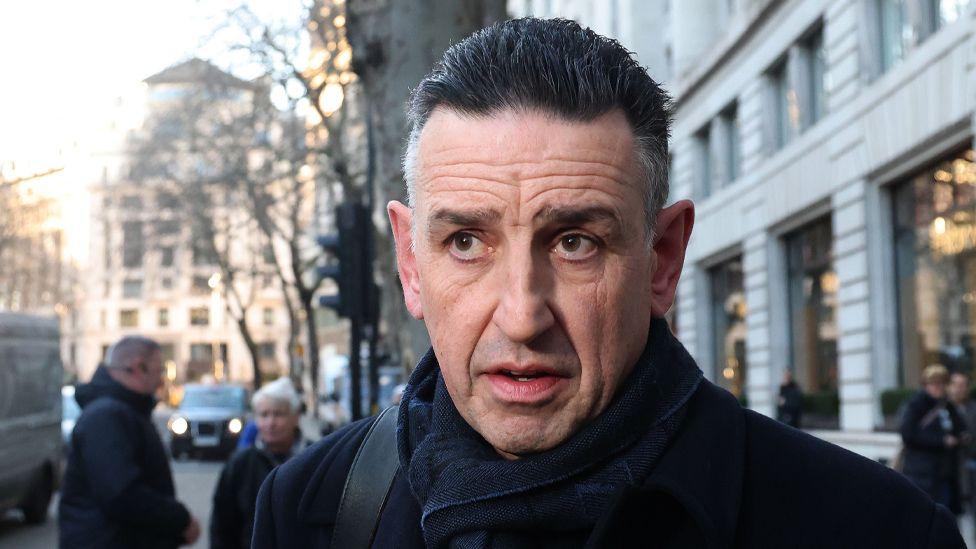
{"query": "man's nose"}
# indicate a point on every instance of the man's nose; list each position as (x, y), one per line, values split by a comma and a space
(523, 312)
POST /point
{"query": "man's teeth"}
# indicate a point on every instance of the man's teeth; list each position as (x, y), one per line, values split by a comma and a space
(523, 378)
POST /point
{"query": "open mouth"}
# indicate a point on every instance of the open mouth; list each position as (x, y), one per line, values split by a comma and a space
(525, 386)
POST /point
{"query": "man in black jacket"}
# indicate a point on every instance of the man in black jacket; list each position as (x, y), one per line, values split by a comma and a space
(555, 408)
(118, 488)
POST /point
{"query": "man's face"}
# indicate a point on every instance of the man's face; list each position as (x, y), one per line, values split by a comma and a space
(151, 373)
(958, 388)
(531, 268)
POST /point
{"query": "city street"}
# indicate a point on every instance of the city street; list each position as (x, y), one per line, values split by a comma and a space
(195, 482)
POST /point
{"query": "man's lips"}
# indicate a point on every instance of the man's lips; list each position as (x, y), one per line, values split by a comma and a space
(525, 384)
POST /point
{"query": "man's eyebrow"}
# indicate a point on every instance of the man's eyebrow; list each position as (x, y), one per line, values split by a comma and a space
(577, 216)
(464, 218)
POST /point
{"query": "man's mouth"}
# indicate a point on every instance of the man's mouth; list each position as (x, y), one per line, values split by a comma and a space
(528, 385)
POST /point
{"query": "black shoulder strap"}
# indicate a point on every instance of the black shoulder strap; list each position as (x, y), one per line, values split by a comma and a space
(367, 484)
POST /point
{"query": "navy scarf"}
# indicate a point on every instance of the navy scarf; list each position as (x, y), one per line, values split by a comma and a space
(472, 497)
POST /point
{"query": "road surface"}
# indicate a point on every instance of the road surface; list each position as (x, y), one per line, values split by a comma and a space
(195, 482)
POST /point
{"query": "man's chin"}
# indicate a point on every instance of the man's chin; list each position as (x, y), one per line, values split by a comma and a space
(518, 436)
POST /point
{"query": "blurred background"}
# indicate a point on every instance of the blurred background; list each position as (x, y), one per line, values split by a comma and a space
(214, 174)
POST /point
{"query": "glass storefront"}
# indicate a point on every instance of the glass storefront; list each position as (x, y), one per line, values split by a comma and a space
(728, 310)
(935, 255)
(812, 284)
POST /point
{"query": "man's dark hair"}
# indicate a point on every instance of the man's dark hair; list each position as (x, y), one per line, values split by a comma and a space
(557, 67)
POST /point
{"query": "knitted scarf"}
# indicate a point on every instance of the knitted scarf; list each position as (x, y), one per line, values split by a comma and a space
(472, 498)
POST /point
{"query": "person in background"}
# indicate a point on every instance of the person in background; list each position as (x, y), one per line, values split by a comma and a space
(789, 410)
(966, 408)
(931, 430)
(276, 411)
(118, 488)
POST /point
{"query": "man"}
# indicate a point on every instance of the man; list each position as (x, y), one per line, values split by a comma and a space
(789, 409)
(958, 393)
(276, 411)
(118, 489)
(555, 408)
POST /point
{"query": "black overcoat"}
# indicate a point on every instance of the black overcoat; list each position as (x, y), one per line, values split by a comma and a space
(730, 478)
(118, 488)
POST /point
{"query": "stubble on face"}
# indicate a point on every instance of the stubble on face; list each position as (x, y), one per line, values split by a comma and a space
(531, 257)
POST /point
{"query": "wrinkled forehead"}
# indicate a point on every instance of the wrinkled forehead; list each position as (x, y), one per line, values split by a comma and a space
(517, 147)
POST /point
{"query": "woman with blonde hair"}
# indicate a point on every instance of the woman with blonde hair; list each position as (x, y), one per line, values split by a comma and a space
(276, 412)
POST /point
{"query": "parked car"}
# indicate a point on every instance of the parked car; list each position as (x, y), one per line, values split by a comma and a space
(30, 413)
(209, 420)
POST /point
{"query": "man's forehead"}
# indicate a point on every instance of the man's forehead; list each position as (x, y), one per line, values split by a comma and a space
(511, 139)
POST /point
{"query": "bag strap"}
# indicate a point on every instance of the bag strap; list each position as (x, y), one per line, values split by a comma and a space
(367, 484)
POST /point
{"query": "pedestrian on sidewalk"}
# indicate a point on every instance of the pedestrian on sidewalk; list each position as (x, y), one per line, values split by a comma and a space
(789, 409)
(966, 408)
(276, 410)
(118, 488)
(931, 430)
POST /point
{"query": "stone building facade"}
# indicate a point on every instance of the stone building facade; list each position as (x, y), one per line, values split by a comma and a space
(828, 146)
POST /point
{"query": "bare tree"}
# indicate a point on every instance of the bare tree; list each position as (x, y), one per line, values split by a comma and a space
(198, 148)
(307, 63)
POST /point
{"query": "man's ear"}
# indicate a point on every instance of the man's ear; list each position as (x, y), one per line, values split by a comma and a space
(671, 233)
(401, 220)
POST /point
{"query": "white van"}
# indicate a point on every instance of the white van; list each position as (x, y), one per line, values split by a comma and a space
(30, 413)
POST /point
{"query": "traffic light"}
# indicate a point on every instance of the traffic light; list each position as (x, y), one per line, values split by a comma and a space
(351, 266)
(351, 248)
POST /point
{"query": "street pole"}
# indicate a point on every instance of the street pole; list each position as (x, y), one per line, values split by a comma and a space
(355, 368)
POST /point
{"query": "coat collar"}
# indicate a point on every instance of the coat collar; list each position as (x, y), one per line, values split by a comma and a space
(702, 470)
(704, 467)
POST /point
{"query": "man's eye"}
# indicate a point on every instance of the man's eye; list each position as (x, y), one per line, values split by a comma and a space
(575, 247)
(467, 247)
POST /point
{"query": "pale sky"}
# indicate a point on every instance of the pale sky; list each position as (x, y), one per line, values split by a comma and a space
(63, 61)
(62, 64)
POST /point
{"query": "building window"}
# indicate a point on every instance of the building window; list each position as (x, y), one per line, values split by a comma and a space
(168, 227)
(166, 200)
(815, 59)
(132, 288)
(267, 315)
(201, 284)
(199, 316)
(267, 351)
(132, 203)
(704, 164)
(784, 108)
(896, 33)
(166, 283)
(728, 309)
(729, 122)
(129, 318)
(166, 256)
(133, 244)
(935, 255)
(812, 286)
(203, 253)
(163, 317)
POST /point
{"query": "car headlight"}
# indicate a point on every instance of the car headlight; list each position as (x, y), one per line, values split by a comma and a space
(234, 426)
(178, 425)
